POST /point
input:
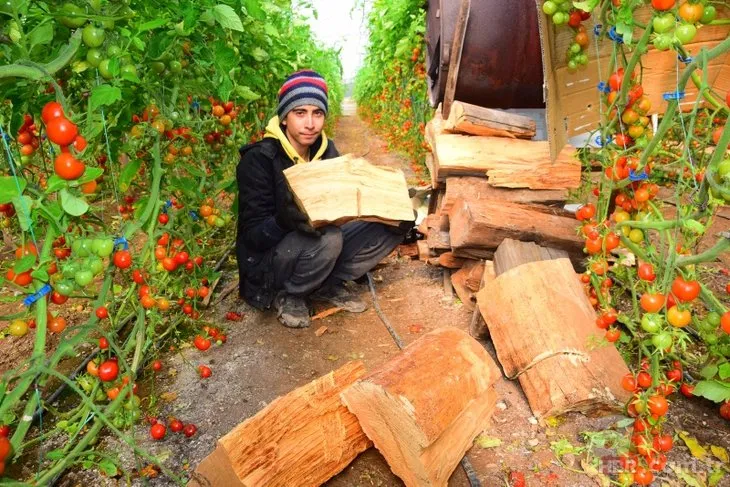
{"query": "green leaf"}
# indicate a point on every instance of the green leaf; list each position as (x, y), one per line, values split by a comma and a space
(158, 45)
(709, 371)
(24, 264)
(40, 274)
(715, 477)
(108, 467)
(485, 441)
(138, 43)
(9, 188)
(129, 171)
(225, 57)
(724, 370)
(586, 6)
(73, 205)
(246, 94)
(152, 25)
(90, 174)
(259, 54)
(115, 66)
(253, 8)
(104, 95)
(225, 88)
(713, 390)
(195, 171)
(23, 207)
(56, 454)
(271, 31)
(187, 185)
(190, 17)
(227, 17)
(42, 34)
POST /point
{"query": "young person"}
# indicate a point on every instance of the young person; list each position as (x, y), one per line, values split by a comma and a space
(282, 260)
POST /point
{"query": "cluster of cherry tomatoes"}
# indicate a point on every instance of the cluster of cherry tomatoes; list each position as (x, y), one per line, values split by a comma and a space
(158, 430)
(28, 136)
(64, 133)
(632, 125)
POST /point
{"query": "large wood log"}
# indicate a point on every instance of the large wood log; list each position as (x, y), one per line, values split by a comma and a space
(303, 439)
(469, 119)
(544, 332)
(335, 191)
(509, 163)
(484, 224)
(424, 407)
(477, 188)
(477, 326)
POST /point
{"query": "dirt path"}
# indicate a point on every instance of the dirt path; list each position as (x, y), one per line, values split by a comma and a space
(263, 360)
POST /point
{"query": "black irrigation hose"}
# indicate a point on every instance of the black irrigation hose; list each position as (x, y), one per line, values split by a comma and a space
(465, 463)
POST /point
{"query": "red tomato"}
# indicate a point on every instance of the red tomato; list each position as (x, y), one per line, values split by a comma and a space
(137, 276)
(61, 131)
(685, 291)
(613, 334)
(204, 371)
(725, 322)
(176, 426)
(644, 379)
(103, 343)
(4, 431)
(102, 312)
(651, 303)
(663, 442)
(108, 370)
(4, 448)
(157, 365)
(122, 259)
(646, 272)
(158, 431)
(658, 405)
(662, 5)
(628, 382)
(190, 430)
(201, 343)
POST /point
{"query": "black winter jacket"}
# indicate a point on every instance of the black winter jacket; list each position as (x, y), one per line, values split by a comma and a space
(262, 189)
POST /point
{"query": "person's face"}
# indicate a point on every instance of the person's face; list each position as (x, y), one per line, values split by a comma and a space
(304, 124)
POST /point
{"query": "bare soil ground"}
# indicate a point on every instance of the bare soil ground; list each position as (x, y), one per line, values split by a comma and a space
(263, 360)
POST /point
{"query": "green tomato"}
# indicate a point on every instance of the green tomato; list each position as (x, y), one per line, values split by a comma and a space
(85, 248)
(132, 403)
(565, 7)
(685, 33)
(650, 322)
(713, 318)
(662, 341)
(549, 7)
(105, 248)
(104, 69)
(158, 67)
(96, 266)
(663, 23)
(83, 277)
(575, 48)
(113, 50)
(572, 65)
(663, 42)
(709, 14)
(92, 36)
(175, 67)
(710, 338)
(135, 415)
(94, 57)
(70, 16)
(129, 69)
(723, 169)
(64, 288)
(582, 59)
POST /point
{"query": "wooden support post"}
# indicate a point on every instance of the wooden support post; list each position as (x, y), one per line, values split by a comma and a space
(455, 57)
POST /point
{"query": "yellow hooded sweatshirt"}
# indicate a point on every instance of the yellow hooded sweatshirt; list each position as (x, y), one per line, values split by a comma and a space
(273, 131)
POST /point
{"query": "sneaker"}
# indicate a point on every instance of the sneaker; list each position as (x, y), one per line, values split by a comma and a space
(341, 297)
(292, 311)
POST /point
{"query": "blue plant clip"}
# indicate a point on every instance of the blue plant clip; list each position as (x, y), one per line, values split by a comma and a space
(6, 136)
(36, 296)
(168, 204)
(195, 104)
(614, 36)
(597, 29)
(673, 95)
(193, 215)
(685, 60)
(603, 87)
(642, 176)
(599, 140)
(121, 241)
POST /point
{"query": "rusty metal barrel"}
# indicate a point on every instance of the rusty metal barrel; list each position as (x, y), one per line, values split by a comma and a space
(501, 61)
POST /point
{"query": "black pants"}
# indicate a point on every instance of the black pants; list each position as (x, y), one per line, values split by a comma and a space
(304, 263)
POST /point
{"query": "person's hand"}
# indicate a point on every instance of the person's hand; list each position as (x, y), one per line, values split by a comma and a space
(290, 217)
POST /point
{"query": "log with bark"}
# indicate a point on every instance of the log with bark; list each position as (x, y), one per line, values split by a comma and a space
(544, 332)
(303, 439)
(477, 188)
(469, 119)
(509, 163)
(466, 281)
(478, 227)
(424, 407)
(335, 191)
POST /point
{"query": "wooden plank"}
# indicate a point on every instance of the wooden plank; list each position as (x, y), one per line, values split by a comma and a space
(450, 261)
(335, 191)
(477, 188)
(512, 253)
(455, 56)
(477, 326)
(424, 407)
(484, 224)
(469, 119)
(553, 358)
(303, 439)
(509, 163)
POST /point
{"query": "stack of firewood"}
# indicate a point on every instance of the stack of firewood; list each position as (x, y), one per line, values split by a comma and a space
(492, 182)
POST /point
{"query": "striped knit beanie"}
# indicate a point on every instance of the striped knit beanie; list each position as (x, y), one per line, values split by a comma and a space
(304, 87)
